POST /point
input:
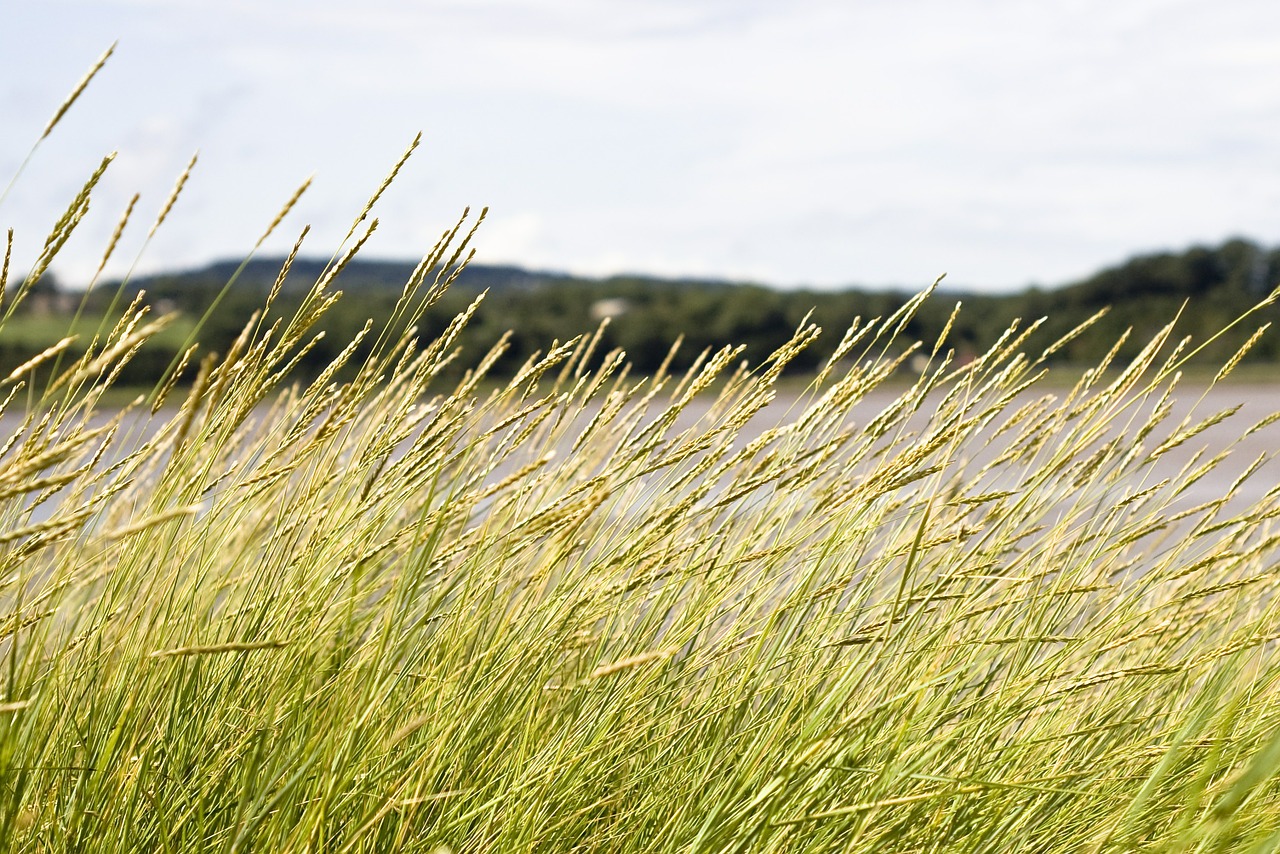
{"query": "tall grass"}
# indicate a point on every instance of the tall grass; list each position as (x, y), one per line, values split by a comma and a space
(581, 610)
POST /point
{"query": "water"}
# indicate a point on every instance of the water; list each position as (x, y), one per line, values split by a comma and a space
(1256, 402)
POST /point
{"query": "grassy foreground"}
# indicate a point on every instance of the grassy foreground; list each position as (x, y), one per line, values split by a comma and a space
(561, 614)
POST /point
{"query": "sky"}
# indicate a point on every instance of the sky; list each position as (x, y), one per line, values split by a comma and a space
(820, 143)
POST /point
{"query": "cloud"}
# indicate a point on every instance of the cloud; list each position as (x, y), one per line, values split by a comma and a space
(815, 141)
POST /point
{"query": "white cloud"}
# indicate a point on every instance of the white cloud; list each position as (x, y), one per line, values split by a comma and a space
(815, 141)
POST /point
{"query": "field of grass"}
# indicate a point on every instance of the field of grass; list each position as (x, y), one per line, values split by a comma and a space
(39, 331)
(559, 614)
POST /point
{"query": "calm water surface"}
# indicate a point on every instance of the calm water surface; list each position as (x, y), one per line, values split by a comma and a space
(1256, 401)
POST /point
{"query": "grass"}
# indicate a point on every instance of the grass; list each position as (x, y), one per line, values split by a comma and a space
(38, 331)
(574, 612)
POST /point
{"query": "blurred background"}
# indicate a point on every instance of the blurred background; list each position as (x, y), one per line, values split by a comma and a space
(822, 143)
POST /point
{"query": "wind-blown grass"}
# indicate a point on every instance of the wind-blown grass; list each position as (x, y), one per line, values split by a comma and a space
(581, 610)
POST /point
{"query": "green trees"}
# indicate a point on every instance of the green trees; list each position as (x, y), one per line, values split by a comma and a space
(646, 316)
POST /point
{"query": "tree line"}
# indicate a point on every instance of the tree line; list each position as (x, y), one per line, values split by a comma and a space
(1216, 284)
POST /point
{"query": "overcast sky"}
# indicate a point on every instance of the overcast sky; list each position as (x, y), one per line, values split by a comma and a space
(820, 142)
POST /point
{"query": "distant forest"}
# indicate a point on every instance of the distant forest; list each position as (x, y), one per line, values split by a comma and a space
(1217, 284)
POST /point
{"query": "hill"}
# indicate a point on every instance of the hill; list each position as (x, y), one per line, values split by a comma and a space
(647, 314)
(260, 273)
